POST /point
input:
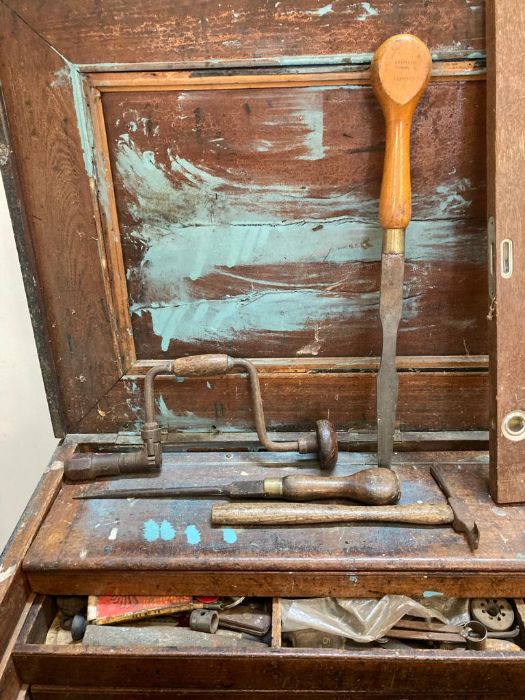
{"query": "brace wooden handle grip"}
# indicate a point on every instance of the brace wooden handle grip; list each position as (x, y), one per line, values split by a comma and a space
(318, 513)
(201, 365)
(375, 486)
(401, 69)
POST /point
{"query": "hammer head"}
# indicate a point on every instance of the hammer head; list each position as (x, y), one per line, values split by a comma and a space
(464, 521)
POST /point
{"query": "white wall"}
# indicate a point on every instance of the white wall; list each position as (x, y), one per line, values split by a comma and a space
(26, 436)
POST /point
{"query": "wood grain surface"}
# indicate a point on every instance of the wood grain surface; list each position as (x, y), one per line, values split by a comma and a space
(121, 31)
(428, 400)
(506, 204)
(316, 672)
(100, 542)
(15, 593)
(59, 209)
(39, 692)
(277, 189)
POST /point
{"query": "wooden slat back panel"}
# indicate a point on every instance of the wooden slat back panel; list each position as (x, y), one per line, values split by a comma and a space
(248, 220)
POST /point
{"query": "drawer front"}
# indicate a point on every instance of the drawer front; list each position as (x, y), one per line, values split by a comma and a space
(70, 693)
(55, 671)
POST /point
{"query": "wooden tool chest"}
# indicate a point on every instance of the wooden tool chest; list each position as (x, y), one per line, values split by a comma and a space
(191, 178)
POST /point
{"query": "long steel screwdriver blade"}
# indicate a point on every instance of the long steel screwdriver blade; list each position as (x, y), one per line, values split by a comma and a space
(390, 309)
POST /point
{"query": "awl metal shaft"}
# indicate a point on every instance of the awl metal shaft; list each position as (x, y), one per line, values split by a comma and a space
(372, 486)
(401, 70)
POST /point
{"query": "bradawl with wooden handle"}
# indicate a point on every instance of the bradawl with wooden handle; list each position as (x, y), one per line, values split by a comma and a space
(373, 486)
(400, 72)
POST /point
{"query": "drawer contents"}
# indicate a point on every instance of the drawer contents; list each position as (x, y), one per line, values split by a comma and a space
(432, 621)
(163, 621)
(394, 621)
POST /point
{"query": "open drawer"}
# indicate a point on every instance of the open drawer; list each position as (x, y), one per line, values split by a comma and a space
(67, 671)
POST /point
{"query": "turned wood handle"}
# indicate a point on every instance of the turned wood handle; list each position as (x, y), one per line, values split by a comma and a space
(319, 513)
(201, 365)
(376, 486)
(400, 72)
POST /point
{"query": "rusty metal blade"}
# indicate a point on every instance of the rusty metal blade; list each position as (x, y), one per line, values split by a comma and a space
(182, 492)
(390, 308)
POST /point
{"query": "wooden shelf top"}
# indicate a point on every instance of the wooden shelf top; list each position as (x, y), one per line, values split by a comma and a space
(141, 545)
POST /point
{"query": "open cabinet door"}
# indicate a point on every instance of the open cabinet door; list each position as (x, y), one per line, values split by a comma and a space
(194, 186)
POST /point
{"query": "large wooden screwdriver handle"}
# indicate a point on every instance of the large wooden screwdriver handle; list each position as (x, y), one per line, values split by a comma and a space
(318, 513)
(401, 69)
(374, 486)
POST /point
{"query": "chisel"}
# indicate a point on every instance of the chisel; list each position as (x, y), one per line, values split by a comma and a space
(373, 486)
(400, 72)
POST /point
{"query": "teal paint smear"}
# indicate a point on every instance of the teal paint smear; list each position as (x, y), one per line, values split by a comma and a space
(202, 198)
(229, 535)
(193, 534)
(321, 12)
(369, 11)
(151, 531)
(172, 420)
(167, 532)
(235, 223)
(313, 119)
(224, 319)
(85, 127)
(180, 255)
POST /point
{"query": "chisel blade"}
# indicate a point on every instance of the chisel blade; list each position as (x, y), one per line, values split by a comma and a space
(168, 492)
(390, 310)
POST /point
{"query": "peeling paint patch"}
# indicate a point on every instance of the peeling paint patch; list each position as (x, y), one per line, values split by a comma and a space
(194, 220)
(61, 77)
(167, 531)
(113, 533)
(353, 579)
(369, 11)
(151, 531)
(229, 535)
(83, 553)
(55, 465)
(7, 573)
(431, 594)
(193, 534)
(173, 420)
(321, 12)
(225, 319)
(85, 127)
